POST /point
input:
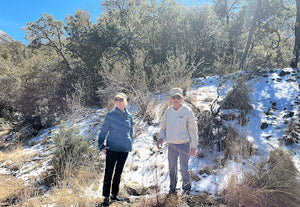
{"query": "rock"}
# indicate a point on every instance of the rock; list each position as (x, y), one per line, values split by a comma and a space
(134, 167)
(209, 170)
(269, 137)
(289, 115)
(134, 188)
(264, 126)
(283, 73)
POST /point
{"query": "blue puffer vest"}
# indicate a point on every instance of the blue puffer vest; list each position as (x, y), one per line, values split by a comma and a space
(117, 129)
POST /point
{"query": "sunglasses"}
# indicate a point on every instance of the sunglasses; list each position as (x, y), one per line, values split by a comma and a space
(176, 97)
(119, 99)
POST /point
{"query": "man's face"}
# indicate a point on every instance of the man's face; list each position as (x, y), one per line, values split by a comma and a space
(176, 101)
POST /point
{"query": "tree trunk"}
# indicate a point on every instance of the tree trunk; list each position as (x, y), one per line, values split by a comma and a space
(296, 51)
(250, 35)
(246, 51)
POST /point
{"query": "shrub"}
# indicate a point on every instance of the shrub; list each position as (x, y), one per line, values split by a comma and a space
(71, 151)
(236, 146)
(15, 159)
(273, 182)
(141, 81)
(292, 132)
(238, 98)
(76, 101)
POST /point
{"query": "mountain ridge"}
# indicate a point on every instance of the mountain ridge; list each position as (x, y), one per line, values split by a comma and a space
(5, 38)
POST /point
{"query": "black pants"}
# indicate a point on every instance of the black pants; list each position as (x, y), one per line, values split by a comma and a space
(114, 160)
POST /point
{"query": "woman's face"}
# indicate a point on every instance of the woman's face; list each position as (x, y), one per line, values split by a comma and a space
(119, 103)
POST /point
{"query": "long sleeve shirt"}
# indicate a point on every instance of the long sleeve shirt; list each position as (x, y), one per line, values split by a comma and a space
(117, 129)
(179, 126)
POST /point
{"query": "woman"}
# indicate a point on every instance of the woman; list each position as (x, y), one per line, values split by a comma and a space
(117, 130)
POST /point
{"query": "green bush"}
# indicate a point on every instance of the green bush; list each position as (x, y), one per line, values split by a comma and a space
(71, 151)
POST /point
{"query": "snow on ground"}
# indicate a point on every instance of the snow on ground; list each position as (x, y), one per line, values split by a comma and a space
(271, 90)
(275, 102)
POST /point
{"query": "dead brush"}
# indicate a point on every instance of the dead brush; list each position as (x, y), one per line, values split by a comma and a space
(164, 201)
(292, 133)
(236, 146)
(238, 98)
(66, 195)
(5, 128)
(273, 182)
(14, 191)
(149, 114)
(72, 189)
(242, 195)
(10, 189)
(15, 159)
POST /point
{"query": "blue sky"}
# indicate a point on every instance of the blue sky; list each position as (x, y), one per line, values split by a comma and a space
(14, 14)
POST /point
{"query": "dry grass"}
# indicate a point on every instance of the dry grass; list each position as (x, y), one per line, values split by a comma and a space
(15, 158)
(274, 182)
(36, 202)
(5, 128)
(159, 201)
(4, 131)
(11, 189)
(64, 196)
(199, 200)
(14, 190)
(238, 194)
(79, 190)
(292, 133)
(236, 147)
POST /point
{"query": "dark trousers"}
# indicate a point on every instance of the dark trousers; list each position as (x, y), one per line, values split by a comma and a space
(114, 161)
(181, 151)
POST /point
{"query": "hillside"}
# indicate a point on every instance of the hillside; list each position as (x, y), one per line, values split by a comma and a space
(272, 124)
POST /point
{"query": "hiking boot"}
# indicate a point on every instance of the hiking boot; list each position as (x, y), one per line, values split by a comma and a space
(106, 201)
(116, 198)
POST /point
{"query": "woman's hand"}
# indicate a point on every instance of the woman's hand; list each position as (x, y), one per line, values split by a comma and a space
(193, 152)
(105, 150)
(159, 143)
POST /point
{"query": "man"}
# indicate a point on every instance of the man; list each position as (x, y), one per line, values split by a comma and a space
(179, 130)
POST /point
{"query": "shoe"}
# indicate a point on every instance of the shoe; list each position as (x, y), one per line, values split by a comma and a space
(172, 192)
(106, 201)
(116, 198)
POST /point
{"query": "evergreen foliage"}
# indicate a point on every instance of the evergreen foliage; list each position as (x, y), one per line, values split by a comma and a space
(145, 40)
(71, 151)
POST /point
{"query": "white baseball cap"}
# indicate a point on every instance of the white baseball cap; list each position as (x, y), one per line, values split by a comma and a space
(176, 91)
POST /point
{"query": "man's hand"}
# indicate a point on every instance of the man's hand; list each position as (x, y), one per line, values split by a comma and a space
(159, 143)
(105, 149)
(192, 151)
